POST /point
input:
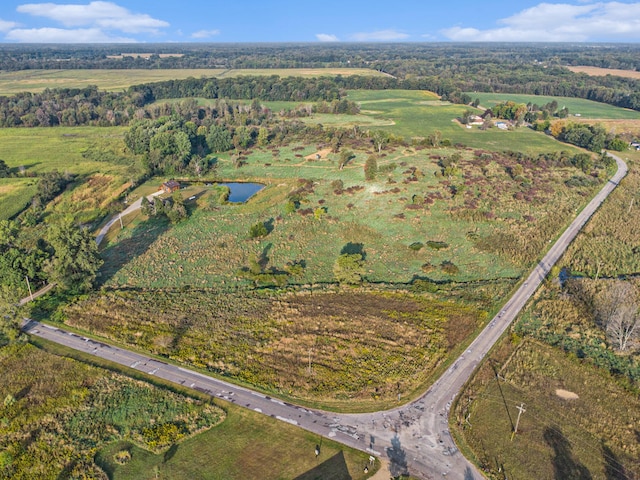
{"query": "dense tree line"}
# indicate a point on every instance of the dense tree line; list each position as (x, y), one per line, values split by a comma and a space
(443, 68)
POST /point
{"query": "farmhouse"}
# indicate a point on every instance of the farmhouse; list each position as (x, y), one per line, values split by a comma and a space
(170, 186)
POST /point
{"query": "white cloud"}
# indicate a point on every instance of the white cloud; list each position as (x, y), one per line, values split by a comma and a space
(379, 36)
(103, 15)
(560, 22)
(205, 33)
(61, 35)
(326, 37)
(6, 26)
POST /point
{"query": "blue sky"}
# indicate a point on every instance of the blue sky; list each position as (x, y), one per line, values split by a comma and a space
(87, 21)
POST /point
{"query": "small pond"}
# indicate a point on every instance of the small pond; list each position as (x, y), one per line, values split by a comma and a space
(241, 192)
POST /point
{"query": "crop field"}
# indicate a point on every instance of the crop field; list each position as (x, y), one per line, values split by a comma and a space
(579, 423)
(586, 108)
(601, 72)
(117, 80)
(57, 411)
(245, 445)
(15, 194)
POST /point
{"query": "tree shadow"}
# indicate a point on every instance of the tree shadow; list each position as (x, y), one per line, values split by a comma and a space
(169, 454)
(120, 253)
(397, 458)
(263, 259)
(333, 469)
(613, 469)
(565, 465)
(354, 248)
(468, 474)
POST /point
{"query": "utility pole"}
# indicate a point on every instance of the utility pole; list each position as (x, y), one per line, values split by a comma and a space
(29, 287)
(121, 225)
(521, 410)
(309, 361)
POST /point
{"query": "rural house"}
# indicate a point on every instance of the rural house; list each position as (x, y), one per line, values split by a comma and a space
(170, 186)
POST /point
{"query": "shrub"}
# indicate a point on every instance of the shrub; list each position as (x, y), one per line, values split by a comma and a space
(258, 230)
(449, 267)
(434, 245)
(416, 246)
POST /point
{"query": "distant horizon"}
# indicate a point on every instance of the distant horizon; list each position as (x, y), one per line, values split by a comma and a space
(90, 22)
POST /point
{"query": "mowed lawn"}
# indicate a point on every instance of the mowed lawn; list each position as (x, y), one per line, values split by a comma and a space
(114, 80)
(246, 445)
(585, 108)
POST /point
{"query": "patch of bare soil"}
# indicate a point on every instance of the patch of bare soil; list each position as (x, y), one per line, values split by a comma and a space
(323, 154)
(566, 395)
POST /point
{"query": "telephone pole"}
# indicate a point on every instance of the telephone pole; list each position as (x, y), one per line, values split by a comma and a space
(521, 410)
(29, 287)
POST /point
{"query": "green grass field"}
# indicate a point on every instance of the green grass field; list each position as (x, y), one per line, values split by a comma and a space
(45, 149)
(15, 194)
(114, 80)
(579, 423)
(418, 114)
(245, 445)
(586, 108)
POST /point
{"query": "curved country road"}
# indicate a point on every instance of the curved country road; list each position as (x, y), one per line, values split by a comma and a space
(415, 437)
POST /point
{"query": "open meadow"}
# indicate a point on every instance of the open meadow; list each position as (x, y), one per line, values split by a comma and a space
(118, 80)
(94, 155)
(578, 423)
(601, 72)
(185, 291)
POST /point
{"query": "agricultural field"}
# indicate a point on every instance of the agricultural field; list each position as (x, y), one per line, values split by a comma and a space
(118, 80)
(579, 422)
(601, 72)
(585, 108)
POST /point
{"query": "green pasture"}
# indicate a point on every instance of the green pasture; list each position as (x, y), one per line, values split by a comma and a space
(585, 108)
(114, 80)
(15, 194)
(245, 445)
(418, 114)
(45, 149)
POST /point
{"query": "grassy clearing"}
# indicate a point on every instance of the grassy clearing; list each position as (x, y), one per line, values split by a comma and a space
(15, 194)
(586, 108)
(114, 80)
(245, 445)
(595, 435)
(57, 411)
(601, 72)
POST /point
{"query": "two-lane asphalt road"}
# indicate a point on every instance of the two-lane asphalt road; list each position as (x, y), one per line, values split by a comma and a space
(415, 437)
